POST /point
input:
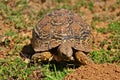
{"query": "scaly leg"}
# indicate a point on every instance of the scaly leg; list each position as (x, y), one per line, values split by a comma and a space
(82, 58)
(43, 56)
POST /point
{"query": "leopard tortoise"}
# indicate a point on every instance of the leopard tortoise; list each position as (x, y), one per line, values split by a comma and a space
(64, 31)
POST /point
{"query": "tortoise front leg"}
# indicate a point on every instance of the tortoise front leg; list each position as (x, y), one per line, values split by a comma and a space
(82, 58)
(43, 56)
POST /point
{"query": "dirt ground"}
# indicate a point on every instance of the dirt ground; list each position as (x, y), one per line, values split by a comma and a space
(95, 72)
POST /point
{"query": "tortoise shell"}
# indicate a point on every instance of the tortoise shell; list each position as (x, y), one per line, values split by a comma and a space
(62, 25)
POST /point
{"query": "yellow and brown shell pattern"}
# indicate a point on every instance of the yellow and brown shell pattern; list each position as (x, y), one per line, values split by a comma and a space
(62, 25)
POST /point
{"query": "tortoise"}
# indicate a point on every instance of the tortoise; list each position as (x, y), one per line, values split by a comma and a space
(64, 31)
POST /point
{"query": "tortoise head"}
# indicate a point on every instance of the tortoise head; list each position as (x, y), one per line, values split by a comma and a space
(65, 51)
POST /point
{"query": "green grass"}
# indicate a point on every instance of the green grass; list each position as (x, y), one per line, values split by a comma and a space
(101, 56)
(87, 4)
(54, 72)
(112, 54)
(114, 27)
(14, 69)
(18, 69)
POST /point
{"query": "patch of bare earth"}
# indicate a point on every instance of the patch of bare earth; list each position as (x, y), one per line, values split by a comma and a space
(36, 75)
(95, 72)
(104, 12)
